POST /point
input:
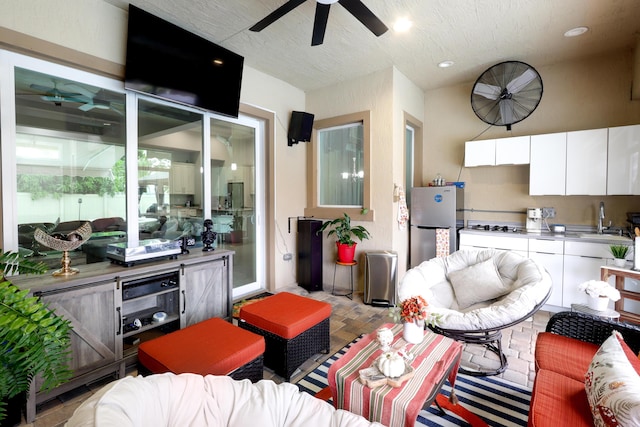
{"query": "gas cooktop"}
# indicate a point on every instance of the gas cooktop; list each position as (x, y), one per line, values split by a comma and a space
(501, 228)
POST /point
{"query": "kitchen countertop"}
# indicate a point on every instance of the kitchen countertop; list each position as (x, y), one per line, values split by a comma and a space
(546, 235)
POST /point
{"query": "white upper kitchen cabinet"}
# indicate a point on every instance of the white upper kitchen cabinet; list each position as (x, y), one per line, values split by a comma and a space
(548, 157)
(480, 153)
(624, 161)
(587, 162)
(513, 150)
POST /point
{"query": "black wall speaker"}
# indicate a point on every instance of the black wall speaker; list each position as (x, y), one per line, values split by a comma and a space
(300, 127)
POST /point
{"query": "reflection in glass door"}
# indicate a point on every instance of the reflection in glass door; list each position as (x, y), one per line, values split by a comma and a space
(169, 177)
(237, 198)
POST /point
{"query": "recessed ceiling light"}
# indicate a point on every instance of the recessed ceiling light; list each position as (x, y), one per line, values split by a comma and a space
(574, 32)
(402, 25)
(445, 64)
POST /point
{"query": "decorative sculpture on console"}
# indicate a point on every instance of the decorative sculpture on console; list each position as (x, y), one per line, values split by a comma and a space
(64, 242)
(208, 236)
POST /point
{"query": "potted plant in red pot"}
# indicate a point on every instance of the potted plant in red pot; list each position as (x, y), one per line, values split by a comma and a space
(345, 233)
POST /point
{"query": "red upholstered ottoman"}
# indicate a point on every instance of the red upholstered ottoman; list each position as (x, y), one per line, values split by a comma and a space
(213, 346)
(294, 327)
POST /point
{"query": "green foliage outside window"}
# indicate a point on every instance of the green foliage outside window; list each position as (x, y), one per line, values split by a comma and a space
(41, 186)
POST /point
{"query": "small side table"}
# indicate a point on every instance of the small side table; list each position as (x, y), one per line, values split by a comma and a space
(606, 314)
(335, 267)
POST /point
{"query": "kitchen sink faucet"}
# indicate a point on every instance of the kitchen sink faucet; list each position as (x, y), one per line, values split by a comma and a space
(601, 219)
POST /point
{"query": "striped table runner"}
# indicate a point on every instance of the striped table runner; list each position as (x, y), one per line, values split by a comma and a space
(388, 405)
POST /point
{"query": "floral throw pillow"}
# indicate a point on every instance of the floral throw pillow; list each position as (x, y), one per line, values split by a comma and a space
(613, 386)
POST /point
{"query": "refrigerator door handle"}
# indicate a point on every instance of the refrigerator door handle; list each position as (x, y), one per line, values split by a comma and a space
(429, 227)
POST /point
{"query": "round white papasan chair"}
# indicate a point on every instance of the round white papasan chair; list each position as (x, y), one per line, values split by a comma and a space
(477, 293)
(207, 401)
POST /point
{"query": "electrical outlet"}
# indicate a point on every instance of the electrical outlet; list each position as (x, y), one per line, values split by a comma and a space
(548, 212)
(287, 257)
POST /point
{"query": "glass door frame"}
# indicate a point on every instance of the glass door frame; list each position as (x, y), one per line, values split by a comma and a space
(8, 62)
(258, 127)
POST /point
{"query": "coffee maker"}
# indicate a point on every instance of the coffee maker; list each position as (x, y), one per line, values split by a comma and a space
(534, 220)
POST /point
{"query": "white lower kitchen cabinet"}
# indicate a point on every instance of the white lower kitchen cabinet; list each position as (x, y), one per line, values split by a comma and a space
(482, 241)
(550, 254)
(568, 262)
(582, 262)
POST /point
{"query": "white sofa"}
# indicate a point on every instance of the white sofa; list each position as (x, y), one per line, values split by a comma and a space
(211, 401)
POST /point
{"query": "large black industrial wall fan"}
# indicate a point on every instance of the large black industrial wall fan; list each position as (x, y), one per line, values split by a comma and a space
(355, 7)
(506, 93)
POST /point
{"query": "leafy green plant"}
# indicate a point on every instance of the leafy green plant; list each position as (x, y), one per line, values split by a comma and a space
(33, 339)
(344, 231)
(619, 251)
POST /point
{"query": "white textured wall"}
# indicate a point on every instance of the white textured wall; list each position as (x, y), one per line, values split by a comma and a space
(372, 92)
(290, 169)
(89, 26)
(407, 98)
(98, 28)
(586, 94)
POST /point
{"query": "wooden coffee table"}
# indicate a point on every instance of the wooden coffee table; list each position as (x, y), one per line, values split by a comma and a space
(435, 360)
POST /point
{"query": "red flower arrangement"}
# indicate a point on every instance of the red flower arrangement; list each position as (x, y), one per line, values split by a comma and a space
(414, 308)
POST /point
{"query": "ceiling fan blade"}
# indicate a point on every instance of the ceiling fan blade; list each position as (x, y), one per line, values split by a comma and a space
(87, 107)
(320, 23)
(486, 90)
(276, 14)
(519, 83)
(41, 88)
(82, 91)
(506, 111)
(60, 98)
(364, 15)
(54, 92)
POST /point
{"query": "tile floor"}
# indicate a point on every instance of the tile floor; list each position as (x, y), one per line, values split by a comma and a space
(349, 319)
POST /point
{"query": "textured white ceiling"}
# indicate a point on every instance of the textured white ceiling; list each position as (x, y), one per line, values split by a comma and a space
(475, 34)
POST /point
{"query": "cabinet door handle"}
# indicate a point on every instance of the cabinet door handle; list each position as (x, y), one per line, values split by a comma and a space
(119, 321)
(184, 302)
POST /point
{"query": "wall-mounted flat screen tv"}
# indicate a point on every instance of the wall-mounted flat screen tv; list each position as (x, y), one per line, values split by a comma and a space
(169, 62)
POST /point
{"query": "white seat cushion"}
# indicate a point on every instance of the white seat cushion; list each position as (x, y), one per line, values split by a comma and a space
(212, 401)
(529, 285)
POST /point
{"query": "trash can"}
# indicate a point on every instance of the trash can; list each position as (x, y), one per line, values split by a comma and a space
(380, 277)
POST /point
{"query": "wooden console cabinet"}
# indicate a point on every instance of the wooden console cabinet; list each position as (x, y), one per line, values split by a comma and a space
(92, 300)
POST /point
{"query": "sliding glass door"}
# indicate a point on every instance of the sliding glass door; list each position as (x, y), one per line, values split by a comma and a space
(74, 144)
(237, 201)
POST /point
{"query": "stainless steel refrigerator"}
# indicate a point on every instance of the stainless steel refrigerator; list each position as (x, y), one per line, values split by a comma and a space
(434, 208)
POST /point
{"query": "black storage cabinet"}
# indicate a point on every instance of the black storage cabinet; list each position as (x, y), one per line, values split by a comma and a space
(309, 254)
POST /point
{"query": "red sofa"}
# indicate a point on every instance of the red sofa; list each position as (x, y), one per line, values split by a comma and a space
(562, 357)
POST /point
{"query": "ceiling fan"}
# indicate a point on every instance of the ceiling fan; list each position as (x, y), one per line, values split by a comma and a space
(77, 94)
(93, 100)
(355, 7)
(57, 96)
